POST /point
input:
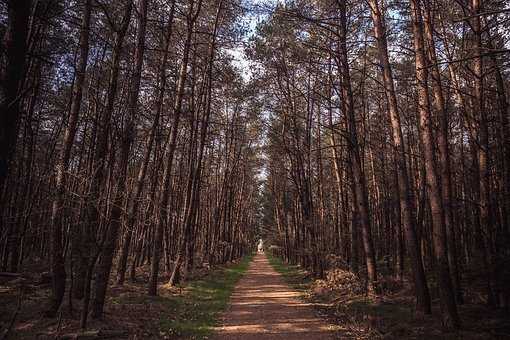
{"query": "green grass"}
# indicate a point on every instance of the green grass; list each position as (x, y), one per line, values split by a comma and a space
(294, 275)
(194, 313)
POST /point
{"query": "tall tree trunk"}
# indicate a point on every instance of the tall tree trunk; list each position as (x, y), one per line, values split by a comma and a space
(449, 313)
(62, 166)
(406, 205)
(99, 174)
(197, 170)
(444, 151)
(357, 170)
(482, 148)
(11, 79)
(133, 207)
(110, 242)
(192, 16)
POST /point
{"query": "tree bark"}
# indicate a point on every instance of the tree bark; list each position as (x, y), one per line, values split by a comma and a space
(406, 205)
(196, 171)
(450, 318)
(15, 47)
(62, 166)
(482, 148)
(133, 207)
(95, 246)
(192, 16)
(444, 152)
(110, 242)
(355, 157)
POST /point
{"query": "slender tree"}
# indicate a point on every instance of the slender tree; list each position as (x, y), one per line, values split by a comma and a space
(450, 316)
(406, 205)
(62, 165)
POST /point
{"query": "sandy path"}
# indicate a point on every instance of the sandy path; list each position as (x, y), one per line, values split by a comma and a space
(263, 306)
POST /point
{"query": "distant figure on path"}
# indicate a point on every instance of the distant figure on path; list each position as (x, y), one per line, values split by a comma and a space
(261, 246)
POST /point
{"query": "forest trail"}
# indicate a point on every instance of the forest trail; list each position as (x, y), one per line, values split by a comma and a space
(263, 306)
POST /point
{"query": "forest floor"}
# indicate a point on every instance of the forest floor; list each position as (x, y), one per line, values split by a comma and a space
(263, 306)
(392, 315)
(268, 300)
(189, 311)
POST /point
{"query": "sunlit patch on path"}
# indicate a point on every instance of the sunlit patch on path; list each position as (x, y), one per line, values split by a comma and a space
(264, 307)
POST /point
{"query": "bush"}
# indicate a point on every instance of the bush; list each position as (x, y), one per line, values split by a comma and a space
(339, 281)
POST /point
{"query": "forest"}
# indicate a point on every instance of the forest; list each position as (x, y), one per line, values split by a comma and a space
(147, 143)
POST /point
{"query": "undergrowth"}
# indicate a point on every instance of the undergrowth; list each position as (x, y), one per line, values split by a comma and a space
(193, 313)
(391, 314)
(293, 275)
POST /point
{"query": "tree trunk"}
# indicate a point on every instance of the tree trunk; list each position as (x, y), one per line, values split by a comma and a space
(110, 242)
(94, 246)
(158, 242)
(450, 317)
(357, 170)
(11, 79)
(406, 205)
(62, 166)
(482, 146)
(196, 171)
(444, 152)
(133, 207)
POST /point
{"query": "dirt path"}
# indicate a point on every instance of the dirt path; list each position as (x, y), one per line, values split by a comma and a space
(263, 306)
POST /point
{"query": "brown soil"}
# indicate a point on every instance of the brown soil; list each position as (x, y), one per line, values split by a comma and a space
(263, 306)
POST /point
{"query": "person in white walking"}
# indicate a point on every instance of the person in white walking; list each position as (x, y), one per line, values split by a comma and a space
(261, 246)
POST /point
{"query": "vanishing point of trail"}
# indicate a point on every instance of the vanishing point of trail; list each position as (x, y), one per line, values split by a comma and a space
(263, 306)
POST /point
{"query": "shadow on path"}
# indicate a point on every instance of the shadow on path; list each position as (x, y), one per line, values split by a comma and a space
(263, 306)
